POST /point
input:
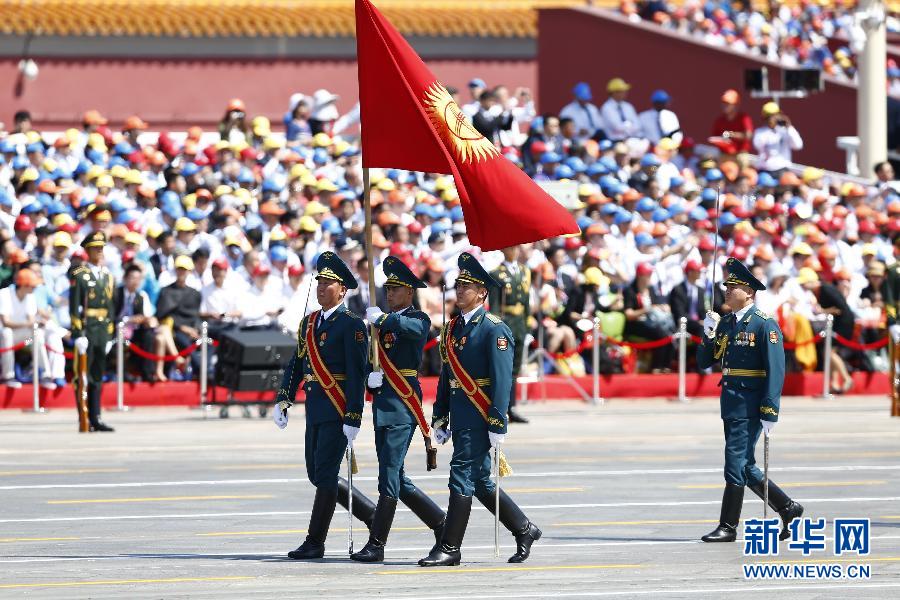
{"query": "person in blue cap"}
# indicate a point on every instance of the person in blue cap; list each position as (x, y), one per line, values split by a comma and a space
(397, 406)
(659, 121)
(582, 111)
(330, 362)
(471, 406)
(750, 346)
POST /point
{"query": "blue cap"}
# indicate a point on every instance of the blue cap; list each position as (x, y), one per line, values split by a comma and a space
(660, 96)
(5, 200)
(332, 226)
(127, 216)
(330, 266)
(609, 209)
(173, 210)
(537, 123)
(116, 205)
(34, 147)
(82, 167)
(765, 181)
(456, 214)
(95, 156)
(622, 216)
(123, 148)
(650, 160)
(610, 163)
(20, 162)
(245, 176)
(604, 145)
(708, 195)
(190, 169)
(644, 239)
(56, 208)
(196, 214)
(6, 146)
(582, 91)
(320, 156)
(117, 161)
(477, 82)
(31, 208)
(470, 270)
(169, 198)
(713, 175)
(584, 222)
(576, 164)
(439, 227)
(550, 157)
(676, 181)
(660, 215)
(564, 172)
(278, 253)
(728, 218)
(597, 168)
(271, 185)
(398, 275)
(645, 204)
(676, 208)
(423, 209)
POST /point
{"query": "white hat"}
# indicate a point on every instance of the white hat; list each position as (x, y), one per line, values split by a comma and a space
(323, 106)
(295, 100)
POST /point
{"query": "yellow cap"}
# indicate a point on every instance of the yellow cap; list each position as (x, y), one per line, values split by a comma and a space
(321, 140)
(617, 84)
(812, 174)
(277, 235)
(869, 250)
(770, 108)
(61, 219)
(272, 143)
(807, 275)
(95, 171)
(667, 144)
(105, 181)
(133, 237)
(308, 179)
(29, 174)
(189, 201)
(326, 185)
(154, 230)
(315, 208)
(222, 190)
(62, 239)
(802, 248)
(49, 165)
(261, 126)
(243, 194)
(118, 171)
(308, 224)
(298, 171)
(185, 224)
(386, 185)
(184, 262)
(134, 177)
(96, 141)
(593, 276)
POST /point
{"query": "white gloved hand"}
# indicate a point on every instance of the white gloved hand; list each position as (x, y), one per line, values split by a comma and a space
(375, 379)
(496, 438)
(281, 416)
(372, 313)
(768, 426)
(895, 332)
(441, 435)
(350, 432)
(109, 346)
(81, 344)
(710, 323)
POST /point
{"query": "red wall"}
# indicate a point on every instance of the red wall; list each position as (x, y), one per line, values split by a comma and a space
(594, 46)
(179, 93)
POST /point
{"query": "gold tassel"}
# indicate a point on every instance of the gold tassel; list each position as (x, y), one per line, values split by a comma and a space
(505, 468)
(354, 468)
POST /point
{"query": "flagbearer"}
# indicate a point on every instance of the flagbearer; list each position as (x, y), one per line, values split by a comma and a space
(91, 311)
(510, 302)
(472, 402)
(330, 362)
(397, 406)
(751, 347)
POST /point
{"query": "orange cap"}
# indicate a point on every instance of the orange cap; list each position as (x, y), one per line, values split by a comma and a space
(134, 122)
(731, 97)
(27, 277)
(93, 117)
(236, 104)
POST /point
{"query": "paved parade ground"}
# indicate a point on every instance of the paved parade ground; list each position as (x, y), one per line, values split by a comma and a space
(175, 505)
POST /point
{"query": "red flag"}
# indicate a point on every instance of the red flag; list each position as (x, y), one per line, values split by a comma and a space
(409, 121)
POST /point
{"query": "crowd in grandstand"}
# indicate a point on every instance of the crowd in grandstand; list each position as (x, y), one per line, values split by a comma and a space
(806, 34)
(225, 227)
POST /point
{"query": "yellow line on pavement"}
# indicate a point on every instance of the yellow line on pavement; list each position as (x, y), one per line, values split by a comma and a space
(523, 490)
(160, 499)
(649, 522)
(260, 467)
(421, 571)
(9, 586)
(795, 484)
(293, 531)
(47, 539)
(890, 517)
(60, 472)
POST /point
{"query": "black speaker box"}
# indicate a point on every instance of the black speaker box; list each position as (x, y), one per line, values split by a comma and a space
(248, 380)
(255, 349)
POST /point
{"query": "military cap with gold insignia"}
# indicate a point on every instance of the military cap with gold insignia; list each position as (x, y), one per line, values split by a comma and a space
(98, 238)
(398, 274)
(470, 270)
(330, 266)
(738, 274)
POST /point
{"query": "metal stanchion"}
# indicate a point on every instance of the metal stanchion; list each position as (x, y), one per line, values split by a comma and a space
(595, 362)
(37, 346)
(120, 367)
(204, 360)
(826, 368)
(682, 360)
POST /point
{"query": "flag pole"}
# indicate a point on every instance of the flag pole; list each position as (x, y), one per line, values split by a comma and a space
(367, 206)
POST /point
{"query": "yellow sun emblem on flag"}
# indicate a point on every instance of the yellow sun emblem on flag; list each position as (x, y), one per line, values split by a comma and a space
(454, 128)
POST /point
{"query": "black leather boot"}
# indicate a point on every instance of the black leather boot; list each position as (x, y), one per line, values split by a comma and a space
(94, 409)
(373, 551)
(780, 503)
(363, 508)
(447, 553)
(319, 521)
(732, 502)
(512, 517)
(426, 510)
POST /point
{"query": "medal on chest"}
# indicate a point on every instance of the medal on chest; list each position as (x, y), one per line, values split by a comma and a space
(322, 338)
(388, 340)
(462, 342)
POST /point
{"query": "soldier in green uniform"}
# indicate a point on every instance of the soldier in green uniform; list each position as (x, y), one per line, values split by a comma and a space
(471, 405)
(91, 311)
(892, 294)
(397, 406)
(330, 362)
(510, 302)
(750, 346)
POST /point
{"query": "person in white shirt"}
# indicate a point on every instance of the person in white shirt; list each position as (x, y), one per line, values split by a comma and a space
(584, 114)
(220, 302)
(775, 141)
(477, 86)
(659, 122)
(18, 314)
(620, 119)
(297, 298)
(262, 306)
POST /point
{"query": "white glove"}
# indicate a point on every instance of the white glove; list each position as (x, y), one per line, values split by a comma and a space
(372, 313)
(109, 346)
(441, 435)
(496, 438)
(281, 416)
(895, 332)
(375, 379)
(768, 426)
(710, 323)
(350, 432)
(81, 345)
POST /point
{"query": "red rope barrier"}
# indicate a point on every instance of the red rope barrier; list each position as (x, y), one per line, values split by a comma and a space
(858, 346)
(55, 351)
(15, 348)
(165, 358)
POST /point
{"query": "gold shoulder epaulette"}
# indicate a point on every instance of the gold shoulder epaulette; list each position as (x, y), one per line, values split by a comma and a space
(80, 269)
(493, 318)
(760, 313)
(352, 314)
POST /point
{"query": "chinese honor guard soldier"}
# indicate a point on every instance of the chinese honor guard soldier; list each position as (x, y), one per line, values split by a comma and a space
(750, 346)
(397, 406)
(510, 303)
(471, 405)
(91, 311)
(330, 362)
